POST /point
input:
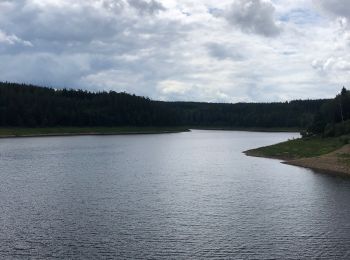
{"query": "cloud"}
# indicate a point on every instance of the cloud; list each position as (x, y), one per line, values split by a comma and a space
(183, 91)
(253, 16)
(332, 64)
(178, 49)
(147, 7)
(61, 21)
(222, 52)
(173, 86)
(338, 8)
(13, 39)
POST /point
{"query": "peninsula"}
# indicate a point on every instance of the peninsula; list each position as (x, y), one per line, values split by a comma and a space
(324, 145)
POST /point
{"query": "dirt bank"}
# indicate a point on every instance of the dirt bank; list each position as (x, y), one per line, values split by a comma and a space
(334, 162)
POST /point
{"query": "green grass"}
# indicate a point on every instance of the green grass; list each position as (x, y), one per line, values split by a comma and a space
(299, 148)
(4, 132)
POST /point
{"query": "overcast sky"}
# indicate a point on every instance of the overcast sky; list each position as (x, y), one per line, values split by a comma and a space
(208, 50)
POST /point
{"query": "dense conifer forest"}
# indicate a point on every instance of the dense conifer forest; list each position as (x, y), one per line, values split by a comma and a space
(32, 106)
(333, 117)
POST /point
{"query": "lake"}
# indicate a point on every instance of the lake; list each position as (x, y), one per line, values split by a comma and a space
(189, 195)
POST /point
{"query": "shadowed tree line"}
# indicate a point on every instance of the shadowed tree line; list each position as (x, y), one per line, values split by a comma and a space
(24, 105)
(333, 118)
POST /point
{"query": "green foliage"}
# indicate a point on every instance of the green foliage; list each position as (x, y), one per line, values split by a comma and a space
(333, 116)
(31, 106)
(299, 148)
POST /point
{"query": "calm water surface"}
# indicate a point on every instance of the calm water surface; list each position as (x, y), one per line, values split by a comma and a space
(173, 196)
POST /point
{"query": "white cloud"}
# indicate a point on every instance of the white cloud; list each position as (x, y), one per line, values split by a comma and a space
(332, 64)
(172, 86)
(229, 50)
(12, 39)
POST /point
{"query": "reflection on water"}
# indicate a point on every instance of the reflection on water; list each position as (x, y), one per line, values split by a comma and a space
(181, 196)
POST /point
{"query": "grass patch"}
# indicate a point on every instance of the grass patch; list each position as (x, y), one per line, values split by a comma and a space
(20, 132)
(344, 158)
(343, 155)
(299, 148)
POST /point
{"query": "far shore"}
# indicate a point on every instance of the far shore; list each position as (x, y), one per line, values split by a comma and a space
(11, 132)
(84, 131)
(331, 158)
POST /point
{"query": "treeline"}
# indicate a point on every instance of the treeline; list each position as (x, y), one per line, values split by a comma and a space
(31, 106)
(333, 118)
(293, 114)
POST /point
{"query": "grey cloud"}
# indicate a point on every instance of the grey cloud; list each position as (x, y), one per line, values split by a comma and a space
(253, 16)
(336, 7)
(87, 21)
(93, 39)
(65, 24)
(221, 52)
(216, 12)
(147, 7)
(91, 25)
(43, 69)
(124, 45)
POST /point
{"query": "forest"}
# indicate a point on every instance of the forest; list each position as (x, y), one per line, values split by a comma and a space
(333, 117)
(23, 105)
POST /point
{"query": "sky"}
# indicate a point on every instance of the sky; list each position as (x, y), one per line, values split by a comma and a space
(208, 50)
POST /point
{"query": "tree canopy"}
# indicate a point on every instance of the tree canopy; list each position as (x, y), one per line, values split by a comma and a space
(24, 105)
(333, 117)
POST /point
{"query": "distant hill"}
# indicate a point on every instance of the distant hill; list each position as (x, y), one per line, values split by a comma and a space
(24, 105)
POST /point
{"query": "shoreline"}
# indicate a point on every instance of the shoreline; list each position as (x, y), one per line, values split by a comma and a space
(336, 162)
(18, 132)
(89, 134)
(319, 170)
(72, 131)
